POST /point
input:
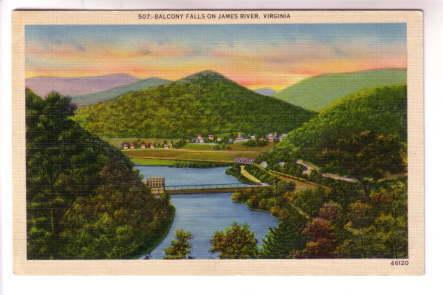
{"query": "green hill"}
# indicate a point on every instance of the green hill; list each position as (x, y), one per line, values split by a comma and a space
(204, 103)
(357, 122)
(315, 93)
(84, 199)
(114, 92)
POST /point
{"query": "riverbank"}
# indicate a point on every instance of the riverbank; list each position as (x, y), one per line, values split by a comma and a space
(153, 244)
(204, 214)
(175, 163)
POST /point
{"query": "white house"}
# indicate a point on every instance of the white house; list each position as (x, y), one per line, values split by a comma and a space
(264, 164)
(199, 139)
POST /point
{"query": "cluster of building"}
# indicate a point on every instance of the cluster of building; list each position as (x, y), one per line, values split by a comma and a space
(143, 145)
(210, 138)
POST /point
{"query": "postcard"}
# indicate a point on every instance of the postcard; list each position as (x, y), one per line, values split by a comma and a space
(209, 142)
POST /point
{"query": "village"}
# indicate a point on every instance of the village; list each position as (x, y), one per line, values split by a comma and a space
(219, 142)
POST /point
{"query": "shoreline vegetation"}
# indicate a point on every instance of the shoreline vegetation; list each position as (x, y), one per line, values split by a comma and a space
(85, 200)
(152, 244)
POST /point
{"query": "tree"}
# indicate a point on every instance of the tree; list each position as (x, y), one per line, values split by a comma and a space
(180, 248)
(367, 156)
(235, 242)
(321, 239)
(285, 239)
(360, 214)
(84, 199)
(331, 211)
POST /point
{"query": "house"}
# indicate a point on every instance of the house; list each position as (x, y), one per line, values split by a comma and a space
(252, 137)
(166, 146)
(240, 138)
(199, 139)
(211, 137)
(132, 146)
(281, 164)
(273, 137)
(125, 145)
(264, 164)
(143, 146)
(246, 161)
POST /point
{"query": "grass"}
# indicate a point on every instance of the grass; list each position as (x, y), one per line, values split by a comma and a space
(199, 146)
(232, 147)
(153, 162)
(190, 155)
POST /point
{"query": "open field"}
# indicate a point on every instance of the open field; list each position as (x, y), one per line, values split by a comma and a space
(153, 162)
(117, 142)
(200, 146)
(232, 147)
(223, 156)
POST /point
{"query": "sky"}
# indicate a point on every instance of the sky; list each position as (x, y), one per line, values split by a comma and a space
(256, 56)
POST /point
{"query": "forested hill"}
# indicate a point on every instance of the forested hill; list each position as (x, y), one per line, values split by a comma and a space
(320, 91)
(204, 103)
(96, 97)
(363, 135)
(84, 200)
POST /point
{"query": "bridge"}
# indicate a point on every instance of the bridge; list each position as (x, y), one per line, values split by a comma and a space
(211, 188)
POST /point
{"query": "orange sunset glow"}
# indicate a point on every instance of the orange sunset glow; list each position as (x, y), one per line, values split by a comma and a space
(255, 56)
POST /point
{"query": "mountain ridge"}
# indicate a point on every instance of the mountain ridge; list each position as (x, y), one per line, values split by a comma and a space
(104, 95)
(316, 93)
(201, 103)
(72, 86)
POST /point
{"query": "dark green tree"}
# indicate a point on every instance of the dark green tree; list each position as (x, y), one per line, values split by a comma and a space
(367, 156)
(285, 239)
(180, 248)
(235, 242)
(84, 199)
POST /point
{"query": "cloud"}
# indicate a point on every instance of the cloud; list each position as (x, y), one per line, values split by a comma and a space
(254, 63)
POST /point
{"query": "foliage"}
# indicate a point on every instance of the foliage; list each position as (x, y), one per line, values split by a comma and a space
(180, 248)
(385, 234)
(285, 239)
(205, 103)
(235, 242)
(256, 142)
(376, 115)
(84, 199)
(318, 92)
(321, 239)
(340, 222)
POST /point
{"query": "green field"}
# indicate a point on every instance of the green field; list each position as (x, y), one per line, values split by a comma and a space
(199, 146)
(231, 147)
(190, 155)
(153, 162)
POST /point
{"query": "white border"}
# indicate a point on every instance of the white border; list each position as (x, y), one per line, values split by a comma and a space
(428, 284)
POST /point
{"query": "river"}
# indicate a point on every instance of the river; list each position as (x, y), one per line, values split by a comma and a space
(203, 214)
